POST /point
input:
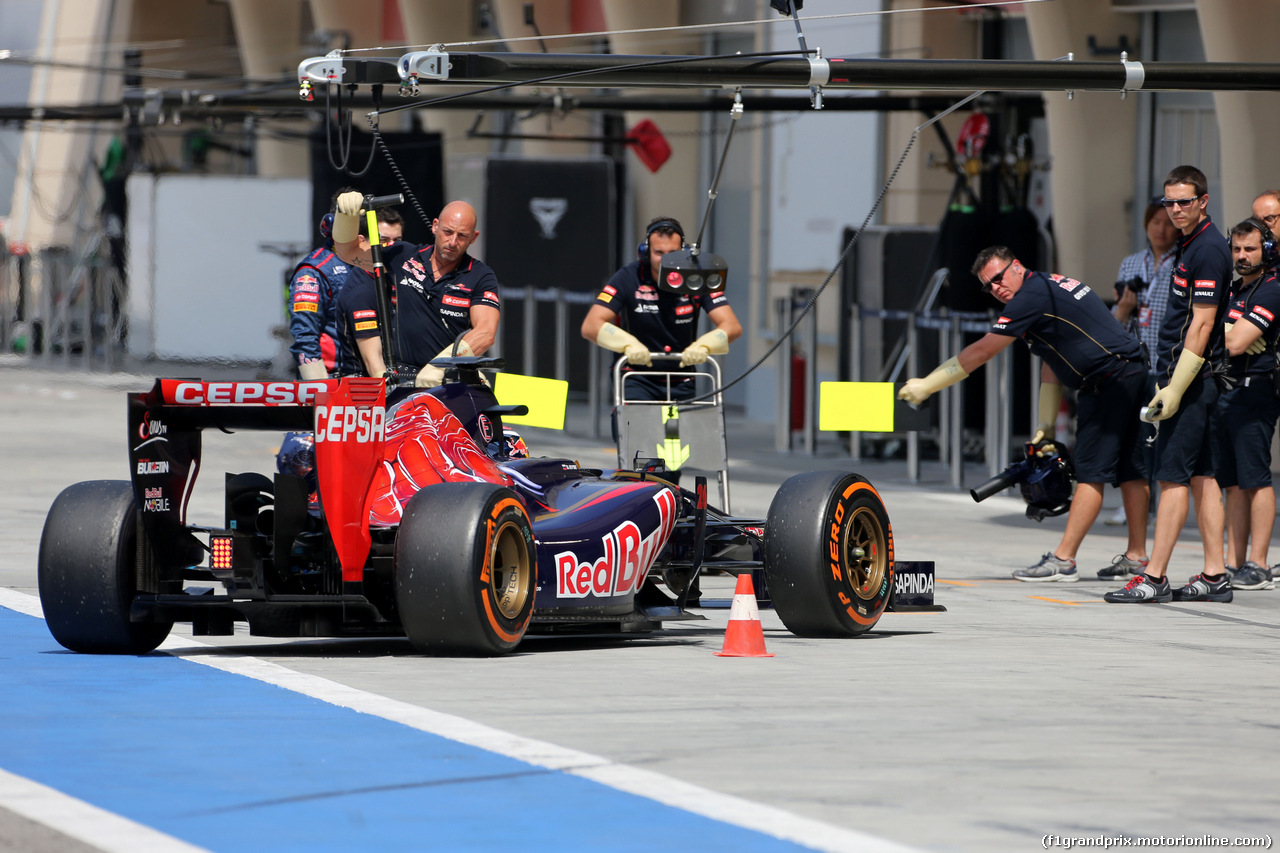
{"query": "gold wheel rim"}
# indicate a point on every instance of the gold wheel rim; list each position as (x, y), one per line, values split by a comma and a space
(510, 571)
(866, 553)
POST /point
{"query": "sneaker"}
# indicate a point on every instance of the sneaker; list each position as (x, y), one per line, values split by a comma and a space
(1253, 576)
(1200, 588)
(1122, 567)
(1231, 571)
(1140, 590)
(1117, 518)
(1050, 568)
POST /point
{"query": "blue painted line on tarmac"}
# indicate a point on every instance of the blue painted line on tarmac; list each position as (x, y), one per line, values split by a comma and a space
(229, 763)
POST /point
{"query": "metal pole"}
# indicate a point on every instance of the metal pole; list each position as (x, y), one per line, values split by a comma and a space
(944, 399)
(594, 400)
(1035, 395)
(774, 71)
(955, 424)
(991, 442)
(562, 335)
(530, 315)
(810, 376)
(782, 424)
(1006, 404)
(913, 369)
(855, 372)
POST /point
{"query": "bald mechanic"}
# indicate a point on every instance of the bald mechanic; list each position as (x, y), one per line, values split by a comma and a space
(438, 292)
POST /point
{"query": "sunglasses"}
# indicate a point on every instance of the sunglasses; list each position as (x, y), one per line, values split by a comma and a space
(1170, 203)
(995, 279)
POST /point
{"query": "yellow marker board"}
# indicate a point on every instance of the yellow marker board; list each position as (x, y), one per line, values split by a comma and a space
(546, 399)
(856, 406)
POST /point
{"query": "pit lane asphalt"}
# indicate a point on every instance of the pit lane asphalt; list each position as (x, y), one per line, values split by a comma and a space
(1023, 711)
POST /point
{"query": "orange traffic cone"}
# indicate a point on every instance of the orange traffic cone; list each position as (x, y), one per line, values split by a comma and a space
(744, 638)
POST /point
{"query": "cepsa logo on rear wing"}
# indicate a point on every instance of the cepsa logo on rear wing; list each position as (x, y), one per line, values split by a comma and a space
(182, 392)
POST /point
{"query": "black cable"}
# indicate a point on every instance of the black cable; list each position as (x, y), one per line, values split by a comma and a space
(814, 299)
(344, 149)
(373, 127)
(404, 184)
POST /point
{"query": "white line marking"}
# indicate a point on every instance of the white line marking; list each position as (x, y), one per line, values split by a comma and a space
(82, 821)
(644, 783)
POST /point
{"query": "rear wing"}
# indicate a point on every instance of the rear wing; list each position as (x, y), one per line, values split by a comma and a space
(165, 424)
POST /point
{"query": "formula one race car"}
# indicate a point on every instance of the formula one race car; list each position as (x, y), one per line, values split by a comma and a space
(415, 520)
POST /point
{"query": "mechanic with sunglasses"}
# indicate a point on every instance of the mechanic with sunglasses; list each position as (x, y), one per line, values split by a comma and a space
(1082, 346)
(1191, 340)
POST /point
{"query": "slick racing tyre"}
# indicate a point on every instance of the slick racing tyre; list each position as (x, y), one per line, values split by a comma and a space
(465, 569)
(828, 554)
(88, 552)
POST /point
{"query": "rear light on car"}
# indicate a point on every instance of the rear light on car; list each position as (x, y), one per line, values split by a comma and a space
(220, 552)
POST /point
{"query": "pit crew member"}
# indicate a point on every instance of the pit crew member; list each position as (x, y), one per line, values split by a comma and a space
(1190, 341)
(439, 293)
(1082, 346)
(1244, 419)
(632, 316)
(390, 225)
(317, 281)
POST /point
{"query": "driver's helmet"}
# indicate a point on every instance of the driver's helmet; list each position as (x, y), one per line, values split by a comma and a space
(1049, 485)
(297, 455)
(513, 446)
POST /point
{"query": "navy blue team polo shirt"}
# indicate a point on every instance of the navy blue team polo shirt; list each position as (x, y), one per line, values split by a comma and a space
(661, 320)
(428, 314)
(1259, 304)
(1068, 325)
(1201, 276)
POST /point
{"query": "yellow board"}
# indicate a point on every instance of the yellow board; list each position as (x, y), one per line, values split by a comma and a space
(546, 399)
(856, 406)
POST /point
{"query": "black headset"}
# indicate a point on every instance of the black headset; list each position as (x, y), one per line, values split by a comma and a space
(642, 251)
(1270, 253)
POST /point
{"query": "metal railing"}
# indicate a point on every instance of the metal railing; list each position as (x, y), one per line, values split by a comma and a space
(949, 433)
(64, 310)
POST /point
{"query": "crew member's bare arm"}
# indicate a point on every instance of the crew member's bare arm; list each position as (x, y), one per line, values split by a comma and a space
(371, 353)
(484, 328)
(597, 317)
(724, 319)
(983, 350)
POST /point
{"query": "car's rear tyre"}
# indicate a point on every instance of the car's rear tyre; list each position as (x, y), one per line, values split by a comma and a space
(828, 554)
(465, 569)
(88, 552)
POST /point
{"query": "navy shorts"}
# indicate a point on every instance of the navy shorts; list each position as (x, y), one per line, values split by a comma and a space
(1243, 422)
(1183, 443)
(1109, 434)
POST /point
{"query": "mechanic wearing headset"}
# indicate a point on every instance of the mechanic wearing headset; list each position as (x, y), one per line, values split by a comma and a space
(317, 281)
(632, 316)
(1244, 418)
(1083, 347)
(438, 292)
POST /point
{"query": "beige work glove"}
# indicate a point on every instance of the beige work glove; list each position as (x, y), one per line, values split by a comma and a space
(313, 370)
(1050, 405)
(1170, 396)
(346, 219)
(714, 341)
(430, 376)
(916, 391)
(613, 338)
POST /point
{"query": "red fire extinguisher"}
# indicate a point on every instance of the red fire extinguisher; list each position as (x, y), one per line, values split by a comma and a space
(797, 391)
